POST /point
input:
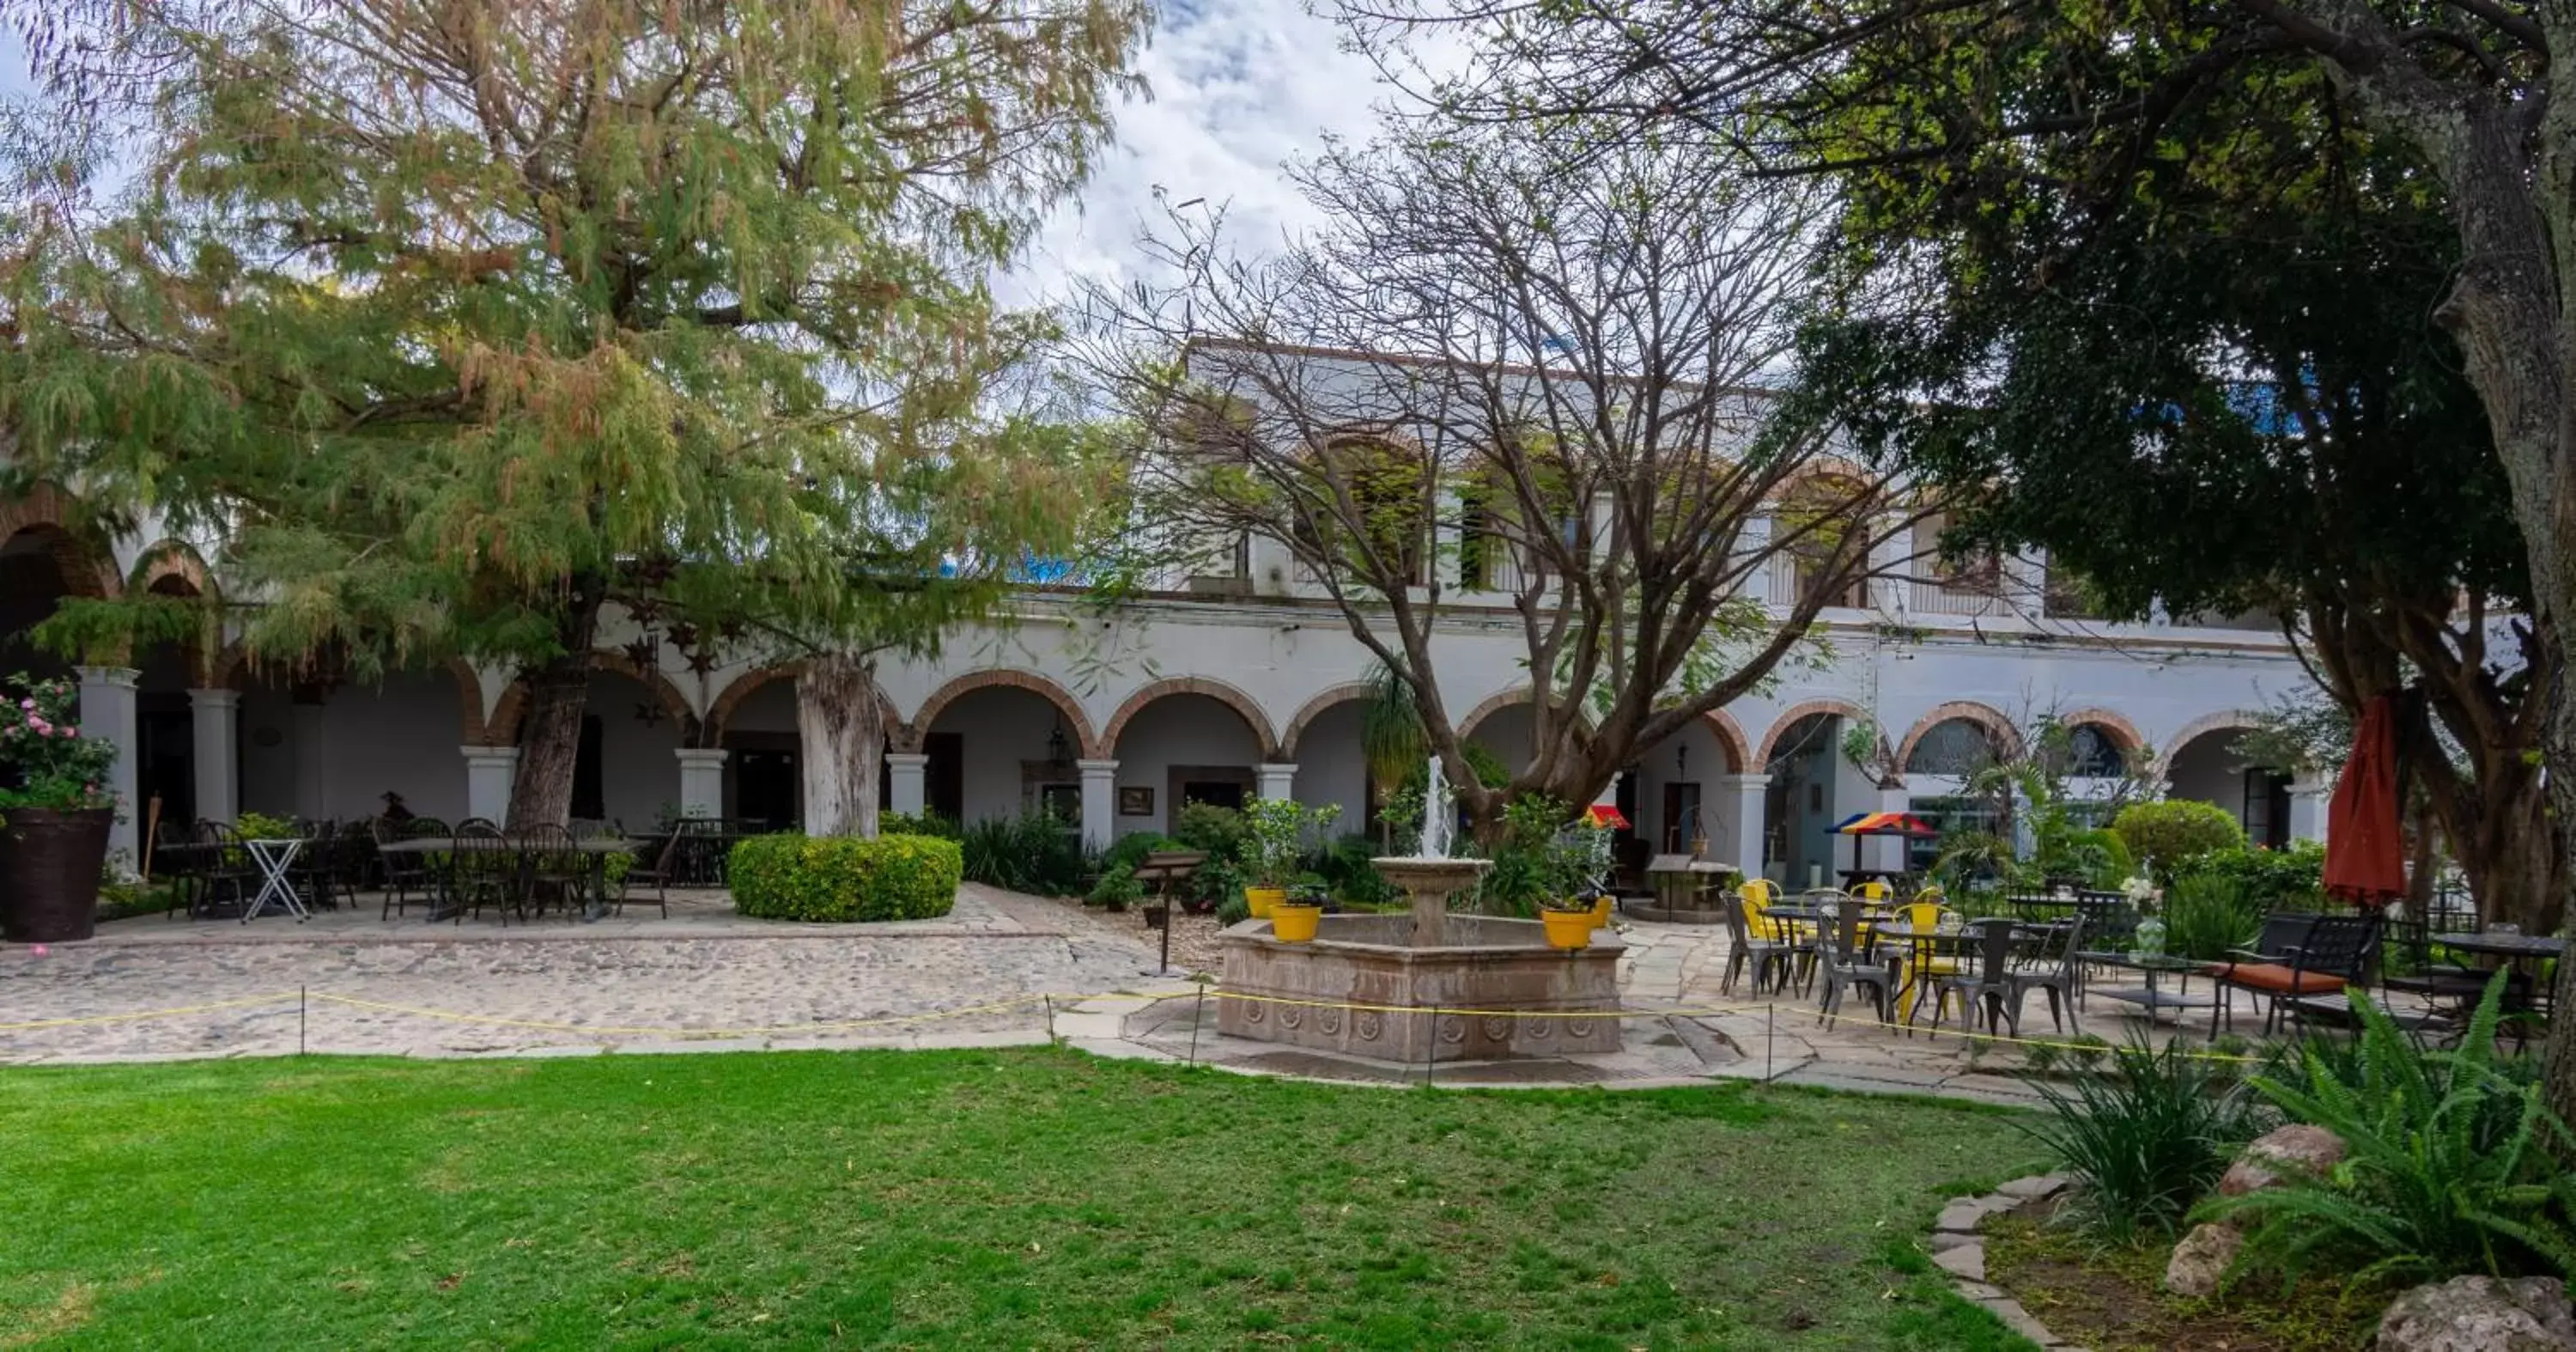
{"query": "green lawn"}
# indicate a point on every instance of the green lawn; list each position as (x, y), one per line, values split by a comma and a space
(1003, 1199)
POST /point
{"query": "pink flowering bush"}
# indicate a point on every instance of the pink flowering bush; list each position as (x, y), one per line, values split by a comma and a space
(45, 762)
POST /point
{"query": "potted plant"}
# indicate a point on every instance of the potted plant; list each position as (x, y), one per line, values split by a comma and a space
(1295, 918)
(1568, 921)
(1574, 903)
(55, 817)
(1117, 889)
(1275, 831)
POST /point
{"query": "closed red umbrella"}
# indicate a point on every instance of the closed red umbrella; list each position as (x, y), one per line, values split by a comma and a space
(2365, 860)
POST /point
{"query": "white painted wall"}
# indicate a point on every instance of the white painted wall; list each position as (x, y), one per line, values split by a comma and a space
(2205, 769)
(1330, 768)
(998, 729)
(1179, 730)
(638, 774)
(1702, 758)
(339, 758)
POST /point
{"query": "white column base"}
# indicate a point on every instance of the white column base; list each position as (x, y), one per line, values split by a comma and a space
(910, 773)
(1278, 781)
(1744, 815)
(489, 772)
(701, 781)
(2308, 801)
(1099, 802)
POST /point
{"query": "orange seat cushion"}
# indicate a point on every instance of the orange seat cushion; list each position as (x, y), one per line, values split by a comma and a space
(2273, 976)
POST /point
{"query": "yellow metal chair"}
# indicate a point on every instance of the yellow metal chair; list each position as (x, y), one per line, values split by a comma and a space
(1922, 964)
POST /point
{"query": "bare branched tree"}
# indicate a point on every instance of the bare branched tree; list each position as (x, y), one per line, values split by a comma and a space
(1515, 379)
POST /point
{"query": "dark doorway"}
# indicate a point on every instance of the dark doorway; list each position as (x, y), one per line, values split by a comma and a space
(765, 785)
(165, 757)
(1681, 816)
(589, 799)
(943, 779)
(1215, 793)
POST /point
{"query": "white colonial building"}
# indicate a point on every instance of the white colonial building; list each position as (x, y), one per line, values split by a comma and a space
(1218, 689)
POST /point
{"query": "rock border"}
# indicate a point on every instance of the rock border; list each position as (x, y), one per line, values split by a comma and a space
(1960, 1251)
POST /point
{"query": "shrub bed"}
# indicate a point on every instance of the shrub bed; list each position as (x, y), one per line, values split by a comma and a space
(790, 877)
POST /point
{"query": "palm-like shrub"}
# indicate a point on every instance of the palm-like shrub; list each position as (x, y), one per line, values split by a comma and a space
(2448, 1166)
(2206, 915)
(2148, 1136)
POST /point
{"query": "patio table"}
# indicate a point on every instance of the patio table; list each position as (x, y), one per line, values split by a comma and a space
(596, 850)
(2521, 994)
(273, 857)
(2150, 965)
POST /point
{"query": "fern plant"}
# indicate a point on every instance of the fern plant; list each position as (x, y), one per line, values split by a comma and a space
(2448, 1166)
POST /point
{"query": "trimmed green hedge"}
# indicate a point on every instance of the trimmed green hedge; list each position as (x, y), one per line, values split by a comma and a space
(791, 877)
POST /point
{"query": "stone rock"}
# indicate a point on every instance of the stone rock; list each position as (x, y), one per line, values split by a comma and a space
(2038, 1187)
(2481, 1314)
(1947, 1240)
(2201, 1259)
(1967, 1260)
(2297, 1148)
(1959, 1217)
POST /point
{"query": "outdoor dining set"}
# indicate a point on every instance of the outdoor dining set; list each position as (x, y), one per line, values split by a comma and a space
(581, 871)
(1920, 962)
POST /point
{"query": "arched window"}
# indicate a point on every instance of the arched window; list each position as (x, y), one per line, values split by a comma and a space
(1955, 746)
(2094, 752)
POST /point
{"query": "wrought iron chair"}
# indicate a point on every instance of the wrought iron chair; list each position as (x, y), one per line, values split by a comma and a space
(1758, 952)
(2305, 960)
(550, 870)
(1983, 977)
(1845, 958)
(2056, 966)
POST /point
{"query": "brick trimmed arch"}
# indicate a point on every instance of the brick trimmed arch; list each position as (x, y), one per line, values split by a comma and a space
(2225, 720)
(720, 713)
(1316, 708)
(1502, 700)
(2006, 737)
(1224, 694)
(1722, 725)
(503, 727)
(1006, 678)
(168, 560)
(2122, 730)
(1790, 718)
(88, 566)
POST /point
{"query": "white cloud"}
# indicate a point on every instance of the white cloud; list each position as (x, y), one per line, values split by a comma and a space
(1240, 87)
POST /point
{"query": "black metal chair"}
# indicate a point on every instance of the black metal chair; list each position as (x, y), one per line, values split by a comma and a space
(229, 878)
(482, 870)
(2305, 964)
(2055, 965)
(2409, 966)
(1845, 959)
(550, 871)
(1761, 953)
(661, 873)
(1984, 977)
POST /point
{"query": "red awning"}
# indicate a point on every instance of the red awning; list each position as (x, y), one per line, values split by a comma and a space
(2365, 859)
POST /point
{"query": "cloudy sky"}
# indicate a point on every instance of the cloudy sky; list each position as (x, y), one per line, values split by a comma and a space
(1239, 86)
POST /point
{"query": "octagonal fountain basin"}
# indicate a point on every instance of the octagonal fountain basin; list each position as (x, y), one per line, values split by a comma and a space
(1479, 964)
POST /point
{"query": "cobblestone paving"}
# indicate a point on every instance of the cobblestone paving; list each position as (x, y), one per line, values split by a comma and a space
(557, 986)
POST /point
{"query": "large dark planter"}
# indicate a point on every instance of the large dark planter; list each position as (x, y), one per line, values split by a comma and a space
(49, 867)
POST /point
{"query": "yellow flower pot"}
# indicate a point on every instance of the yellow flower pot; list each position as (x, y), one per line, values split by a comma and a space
(1567, 929)
(1263, 900)
(1295, 924)
(1602, 908)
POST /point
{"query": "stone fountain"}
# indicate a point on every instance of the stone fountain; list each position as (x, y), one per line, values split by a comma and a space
(1407, 973)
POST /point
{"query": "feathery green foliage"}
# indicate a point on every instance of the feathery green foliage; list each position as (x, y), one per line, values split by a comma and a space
(2450, 1166)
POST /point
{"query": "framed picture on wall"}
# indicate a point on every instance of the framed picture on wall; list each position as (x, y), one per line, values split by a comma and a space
(1136, 800)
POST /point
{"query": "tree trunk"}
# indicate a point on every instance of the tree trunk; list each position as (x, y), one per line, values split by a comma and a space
(840, 726)
(550, 732)
(550, 743)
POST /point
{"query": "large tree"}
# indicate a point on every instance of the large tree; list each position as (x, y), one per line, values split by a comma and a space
(470, 326)
(2286, 442)
(2481, 92)
(1518, 376)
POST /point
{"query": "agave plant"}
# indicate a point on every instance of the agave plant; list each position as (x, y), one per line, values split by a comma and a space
(2448, 1166)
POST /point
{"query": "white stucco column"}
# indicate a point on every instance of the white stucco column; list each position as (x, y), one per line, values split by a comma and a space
(107, 711)
(1743, 813)
(2309, 795)
(216, 741)
(1099, 802)
(1278, 780)
(489, 771)
(1889, 851)
(701, 781)
(911, 774)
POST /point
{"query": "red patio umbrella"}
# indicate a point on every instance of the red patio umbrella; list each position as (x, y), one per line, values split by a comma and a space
(2365, 860)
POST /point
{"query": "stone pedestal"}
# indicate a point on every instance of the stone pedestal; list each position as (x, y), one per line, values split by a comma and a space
(1520, 991)
(909, 773)
(1278, 781)
(489, 772)
(1100, 802)
(212, 734)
